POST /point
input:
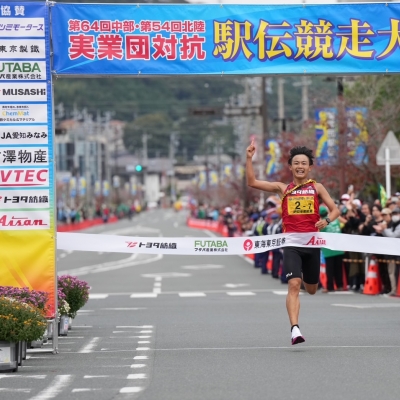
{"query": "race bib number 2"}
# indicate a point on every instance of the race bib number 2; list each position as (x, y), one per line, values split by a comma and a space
(298, 205)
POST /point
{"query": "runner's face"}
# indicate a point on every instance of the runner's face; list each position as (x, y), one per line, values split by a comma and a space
(300, 166)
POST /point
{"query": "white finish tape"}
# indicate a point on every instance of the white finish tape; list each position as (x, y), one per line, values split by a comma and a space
(224, 246)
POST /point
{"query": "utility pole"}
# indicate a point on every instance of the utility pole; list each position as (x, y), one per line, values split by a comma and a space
(304, 98)
(172, 143)
(342, 157)
(281, 105)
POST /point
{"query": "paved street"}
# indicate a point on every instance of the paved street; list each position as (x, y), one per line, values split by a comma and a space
(208, 327)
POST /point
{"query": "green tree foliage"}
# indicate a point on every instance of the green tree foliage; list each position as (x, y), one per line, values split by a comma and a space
(157, 126)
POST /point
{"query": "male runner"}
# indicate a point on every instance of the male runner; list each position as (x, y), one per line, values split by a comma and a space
(300, 213)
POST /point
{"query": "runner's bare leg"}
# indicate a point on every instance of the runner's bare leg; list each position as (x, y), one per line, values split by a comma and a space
(311, 289)
(293, 301)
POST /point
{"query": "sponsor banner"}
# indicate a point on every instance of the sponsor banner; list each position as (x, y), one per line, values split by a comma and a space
(220, 246)
(23, 91)
(23, 156)
(22, 70)
(101, 39)
(23, 113)
(14, 199)
(27, 220)
(24, 177)
(24, 220)
(24, 135)
(23, 49)
(21, 27)
(27, 260)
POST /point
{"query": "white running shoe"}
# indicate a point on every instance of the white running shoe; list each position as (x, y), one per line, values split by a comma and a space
(297, 336)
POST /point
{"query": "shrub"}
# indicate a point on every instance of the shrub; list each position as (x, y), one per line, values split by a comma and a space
(34, 298)
(76, 292)
(20, 321)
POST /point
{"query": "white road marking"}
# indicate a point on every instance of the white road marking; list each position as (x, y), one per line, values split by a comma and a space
(142, 348)
(157, 284)
(364, 306)
(167, 275)
(131, 390)
(124, 309)
(283, 292)
(158, 278)
(82, 326)
(240, 293)
(82, 390)
(143, 295)
(113, 265)
(84, 311)
(54, 389)
(95, 376)
(192, 294)
(236, 285)
(146, 332)
(143, 342)
(15, 390)
(138, 365)
(135, 326)
(97, 296)
(141, 357)
(203, 266)
(137, 376)
(157, 290)
(89, 347)
(24, 376)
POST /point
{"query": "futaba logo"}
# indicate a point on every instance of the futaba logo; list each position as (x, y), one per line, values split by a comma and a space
(210, 243)
(316, 241)
(19, 67)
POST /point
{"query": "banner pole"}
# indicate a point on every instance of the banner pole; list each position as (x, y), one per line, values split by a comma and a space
(53, 186)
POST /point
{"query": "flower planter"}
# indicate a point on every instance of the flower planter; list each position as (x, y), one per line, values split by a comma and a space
(36, 344)
(8, 356)
(24, 347)
(19, 354)
(49, 330)
(63, 325)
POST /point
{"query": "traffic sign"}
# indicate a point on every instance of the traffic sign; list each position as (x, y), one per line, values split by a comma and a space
(393, 145)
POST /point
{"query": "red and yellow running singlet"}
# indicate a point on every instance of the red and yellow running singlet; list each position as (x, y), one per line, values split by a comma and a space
(300, 209)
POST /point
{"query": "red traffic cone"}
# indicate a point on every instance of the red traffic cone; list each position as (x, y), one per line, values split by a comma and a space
(322, 276)
(269, 262)
(372, 286)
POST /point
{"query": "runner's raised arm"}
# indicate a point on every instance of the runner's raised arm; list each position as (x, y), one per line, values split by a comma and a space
(275, 187)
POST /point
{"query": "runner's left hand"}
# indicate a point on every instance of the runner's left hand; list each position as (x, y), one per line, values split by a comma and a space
(321, 224)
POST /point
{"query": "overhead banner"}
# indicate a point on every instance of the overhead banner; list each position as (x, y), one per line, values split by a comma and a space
(27, 224)
(223, 245)
(144, 39)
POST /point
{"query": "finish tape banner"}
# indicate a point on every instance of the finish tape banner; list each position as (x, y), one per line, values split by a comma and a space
(226, 246)
(177, 39)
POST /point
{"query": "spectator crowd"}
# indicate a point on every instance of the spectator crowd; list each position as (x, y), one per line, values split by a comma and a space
(344, 270)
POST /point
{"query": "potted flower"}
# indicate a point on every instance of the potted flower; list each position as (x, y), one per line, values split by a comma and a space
(63, 311)
(18, 322)
(76, 293)
(35, 298)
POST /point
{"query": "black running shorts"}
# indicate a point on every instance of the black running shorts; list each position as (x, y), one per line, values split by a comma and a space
(300, 262)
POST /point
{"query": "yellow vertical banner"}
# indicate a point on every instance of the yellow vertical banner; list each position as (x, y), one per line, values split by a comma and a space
(27, 218)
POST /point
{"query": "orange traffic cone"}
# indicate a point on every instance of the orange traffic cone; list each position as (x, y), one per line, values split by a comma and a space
(372, 285)
(269, 262)
(322, 276)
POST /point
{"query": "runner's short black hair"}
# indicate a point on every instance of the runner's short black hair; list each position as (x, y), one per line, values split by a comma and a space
(295, 151)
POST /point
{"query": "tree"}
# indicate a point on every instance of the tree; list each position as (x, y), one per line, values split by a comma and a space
(157, 126)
